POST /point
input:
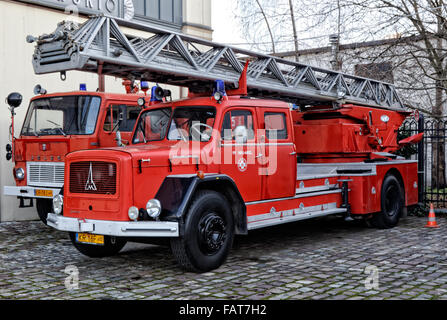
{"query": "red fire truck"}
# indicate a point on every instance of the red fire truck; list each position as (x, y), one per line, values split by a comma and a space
(57, 124)
(286, 142)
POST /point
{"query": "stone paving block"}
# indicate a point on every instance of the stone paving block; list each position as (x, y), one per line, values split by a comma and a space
(297, 261)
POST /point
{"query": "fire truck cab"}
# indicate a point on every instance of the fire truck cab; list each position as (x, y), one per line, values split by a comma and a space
(57, 124)
(204, 169)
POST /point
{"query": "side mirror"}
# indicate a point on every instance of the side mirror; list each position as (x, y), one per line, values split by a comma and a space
(14, 100)
(119, 140)
(241, 134)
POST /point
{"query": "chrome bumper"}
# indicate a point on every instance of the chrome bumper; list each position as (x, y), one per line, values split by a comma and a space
(115, 228)
(28, 192)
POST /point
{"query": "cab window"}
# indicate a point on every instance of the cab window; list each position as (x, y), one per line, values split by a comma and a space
(275, 125)
(237, 120)
(192, 124)
(124, 118)
(152, 126)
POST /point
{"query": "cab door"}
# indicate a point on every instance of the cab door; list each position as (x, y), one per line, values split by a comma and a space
(279, 159)
(238, 151)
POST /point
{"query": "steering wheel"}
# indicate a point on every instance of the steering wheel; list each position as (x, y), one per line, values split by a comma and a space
(203, 136)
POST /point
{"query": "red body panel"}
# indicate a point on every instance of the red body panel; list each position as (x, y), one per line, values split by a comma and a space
(351, 135)
(106, 207)
(352, 131)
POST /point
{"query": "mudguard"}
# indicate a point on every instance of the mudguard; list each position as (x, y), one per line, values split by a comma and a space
(177, 192)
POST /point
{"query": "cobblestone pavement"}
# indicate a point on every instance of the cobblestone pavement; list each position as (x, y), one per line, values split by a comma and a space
(319, 259)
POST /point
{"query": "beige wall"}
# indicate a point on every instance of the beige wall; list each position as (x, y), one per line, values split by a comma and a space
(16, 22)
(197, 13)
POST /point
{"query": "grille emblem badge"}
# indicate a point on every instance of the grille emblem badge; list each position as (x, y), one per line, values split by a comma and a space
(90, 185)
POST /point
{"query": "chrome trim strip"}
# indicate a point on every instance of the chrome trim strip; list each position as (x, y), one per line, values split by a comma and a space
(291, 212)
(312, 194)
(275, 218)
(27, 192)
(191, 175)
(186, 157)
(315, 189)
(256, 144)
(318, 176)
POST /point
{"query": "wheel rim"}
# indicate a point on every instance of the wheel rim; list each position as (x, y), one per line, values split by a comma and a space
(212, 233)
(392, 200)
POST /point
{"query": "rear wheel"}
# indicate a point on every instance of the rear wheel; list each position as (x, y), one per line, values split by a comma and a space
(392, 204)
(111, 247)
(209, 232)
(44, 206)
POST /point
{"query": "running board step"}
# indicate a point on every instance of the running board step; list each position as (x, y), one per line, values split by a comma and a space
(258, 222)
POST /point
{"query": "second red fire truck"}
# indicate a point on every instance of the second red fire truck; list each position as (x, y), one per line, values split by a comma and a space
(57, 124)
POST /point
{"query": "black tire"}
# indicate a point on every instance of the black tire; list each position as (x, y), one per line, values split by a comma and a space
(392, 204)
(209, 233)
(44, 206)
(111, 247)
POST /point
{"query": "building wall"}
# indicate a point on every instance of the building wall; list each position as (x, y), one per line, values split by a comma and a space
(19, 19)
(197, 14)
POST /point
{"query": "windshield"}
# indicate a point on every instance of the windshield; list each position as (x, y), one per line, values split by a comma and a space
(187, 124)
(152, 126)
(70, 115)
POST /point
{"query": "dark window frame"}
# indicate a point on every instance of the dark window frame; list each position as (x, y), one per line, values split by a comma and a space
(165, 23)
(278, 135)
(229, 113)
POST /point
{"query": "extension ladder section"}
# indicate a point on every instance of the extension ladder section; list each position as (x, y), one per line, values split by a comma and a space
(100, 45)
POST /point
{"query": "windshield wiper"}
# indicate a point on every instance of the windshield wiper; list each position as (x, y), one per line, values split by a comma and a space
(33, 132)
(58, 127)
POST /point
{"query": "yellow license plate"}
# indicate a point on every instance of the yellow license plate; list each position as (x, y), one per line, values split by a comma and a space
(44, 193)
(90, 238)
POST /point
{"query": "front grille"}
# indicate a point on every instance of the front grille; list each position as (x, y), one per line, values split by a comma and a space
(93, 177)
(45, 174)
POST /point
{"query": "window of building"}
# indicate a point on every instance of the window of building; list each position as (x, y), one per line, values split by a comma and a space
(169, 11)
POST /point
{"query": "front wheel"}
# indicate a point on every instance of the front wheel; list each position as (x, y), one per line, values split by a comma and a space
(209, 232)
(111, 247)
(392, 204)
(44, 206)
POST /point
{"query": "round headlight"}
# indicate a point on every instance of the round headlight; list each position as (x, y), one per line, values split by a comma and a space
(20, 173)
(153, 208)
(133, 213)
(58, 204)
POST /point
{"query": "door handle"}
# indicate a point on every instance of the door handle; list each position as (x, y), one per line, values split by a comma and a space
(259, 156)
(293, 153)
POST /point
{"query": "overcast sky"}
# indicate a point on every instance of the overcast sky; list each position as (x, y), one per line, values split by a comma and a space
(224, 24)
